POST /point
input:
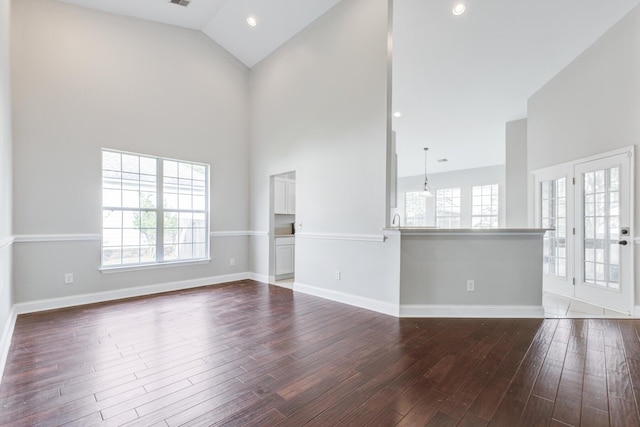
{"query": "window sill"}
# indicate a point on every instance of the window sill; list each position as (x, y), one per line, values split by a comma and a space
(126, 268)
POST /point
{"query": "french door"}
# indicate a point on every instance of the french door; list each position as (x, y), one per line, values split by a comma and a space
(603, 216)
(589, 253)
(554, 211)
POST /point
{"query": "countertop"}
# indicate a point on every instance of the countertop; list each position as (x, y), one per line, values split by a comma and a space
(466, 231)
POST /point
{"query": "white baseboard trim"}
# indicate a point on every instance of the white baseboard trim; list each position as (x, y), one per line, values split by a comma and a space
(478, 311)
(410, 310)
(355, 300)
(5, 340)
(281, 284)
(259, 277)
(74, 300)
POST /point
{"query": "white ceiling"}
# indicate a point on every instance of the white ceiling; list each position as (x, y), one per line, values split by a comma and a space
(458, 79)
(225, 21)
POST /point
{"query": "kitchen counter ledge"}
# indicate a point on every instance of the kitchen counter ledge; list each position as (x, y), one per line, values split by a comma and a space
(466, 231)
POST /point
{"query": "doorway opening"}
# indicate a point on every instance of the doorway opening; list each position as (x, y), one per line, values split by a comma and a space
(588, 207)
(282, 229)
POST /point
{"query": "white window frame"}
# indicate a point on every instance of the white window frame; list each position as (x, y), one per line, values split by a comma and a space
(494, 189)
(191, 229)
(445, 197)
(410, 220)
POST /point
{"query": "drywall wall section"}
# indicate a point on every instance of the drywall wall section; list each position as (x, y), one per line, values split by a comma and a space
(87, 80)
(592, 106)
(505, 270)
(319, 107)
(516, 175)
(5, 123)
(464, 179)
(6, 297)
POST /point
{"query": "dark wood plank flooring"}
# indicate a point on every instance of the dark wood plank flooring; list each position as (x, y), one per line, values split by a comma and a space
(246, 353)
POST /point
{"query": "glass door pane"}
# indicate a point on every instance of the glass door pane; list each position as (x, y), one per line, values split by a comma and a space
(601, 251)
(553, 215)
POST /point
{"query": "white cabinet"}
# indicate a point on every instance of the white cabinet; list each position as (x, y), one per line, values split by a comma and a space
(284, 196)
(285, 261)
(291, 196)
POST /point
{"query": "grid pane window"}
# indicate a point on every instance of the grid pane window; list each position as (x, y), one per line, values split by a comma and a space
(153, 209)
(602, 228)
(485, 206)
(553, 198)
(448, 208)
(415, 208)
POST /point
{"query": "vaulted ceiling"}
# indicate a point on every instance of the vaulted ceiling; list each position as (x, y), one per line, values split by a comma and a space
(225, 21)
(456, 79)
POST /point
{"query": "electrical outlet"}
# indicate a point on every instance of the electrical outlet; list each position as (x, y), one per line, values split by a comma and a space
(232, 261)
(471, 285)
(68, 278)
(338, 275)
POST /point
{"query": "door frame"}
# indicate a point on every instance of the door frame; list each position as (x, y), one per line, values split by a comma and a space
(568, 168)
(273, 223)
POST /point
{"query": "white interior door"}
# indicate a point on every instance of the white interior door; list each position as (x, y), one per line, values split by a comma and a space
(554, 201)
(603, 240)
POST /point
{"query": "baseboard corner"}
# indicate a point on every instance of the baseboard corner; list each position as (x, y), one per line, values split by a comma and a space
(383, 307)
(5, 339)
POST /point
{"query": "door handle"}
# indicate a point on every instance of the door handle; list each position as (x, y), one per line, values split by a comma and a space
(623, 242)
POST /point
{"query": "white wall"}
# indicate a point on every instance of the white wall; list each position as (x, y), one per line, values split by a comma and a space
(85, 80)
(465, 179)
(506, 269)
(592, 106)
(516, 175)
(319, 107)
(6, 297)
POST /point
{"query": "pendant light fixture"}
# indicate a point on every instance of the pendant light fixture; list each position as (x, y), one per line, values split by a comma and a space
(426, 188)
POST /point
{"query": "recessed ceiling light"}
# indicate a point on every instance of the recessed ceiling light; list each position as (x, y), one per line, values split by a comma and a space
(397, 114)
(458, 9)
(252, 21)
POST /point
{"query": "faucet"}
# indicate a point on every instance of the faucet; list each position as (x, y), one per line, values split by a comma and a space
(394, 220)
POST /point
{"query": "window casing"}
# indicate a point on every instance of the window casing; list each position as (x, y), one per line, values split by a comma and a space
(154, 210)
(485, 206)
(415, 208)
(448, 208)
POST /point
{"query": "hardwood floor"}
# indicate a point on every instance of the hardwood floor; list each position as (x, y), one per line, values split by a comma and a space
(250, 354)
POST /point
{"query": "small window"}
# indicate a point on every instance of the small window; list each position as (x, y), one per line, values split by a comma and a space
(485, 206)
(448, 208)
(154, 210)
(415, 208)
